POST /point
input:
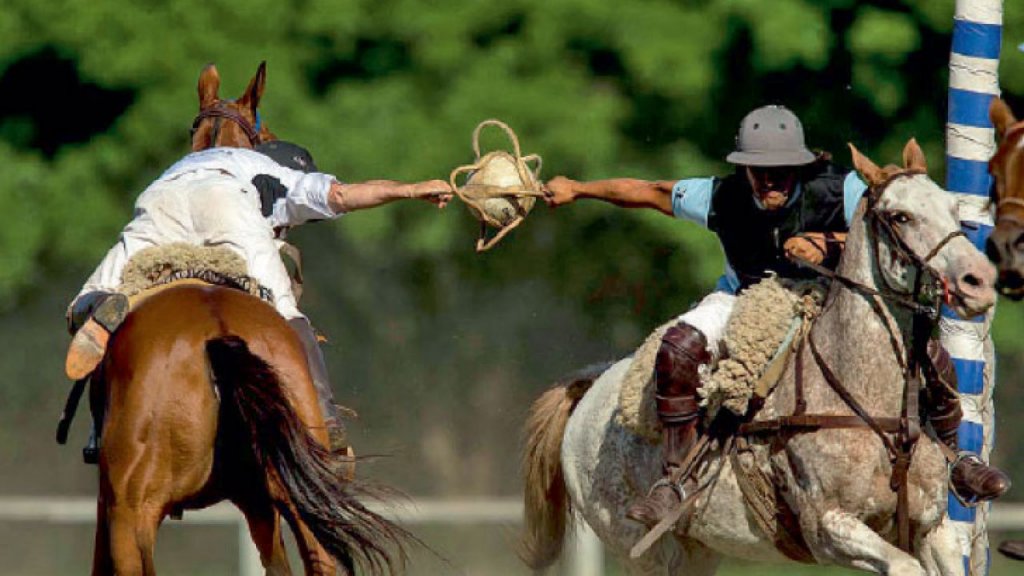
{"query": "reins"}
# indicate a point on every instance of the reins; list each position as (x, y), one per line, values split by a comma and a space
(907, 427)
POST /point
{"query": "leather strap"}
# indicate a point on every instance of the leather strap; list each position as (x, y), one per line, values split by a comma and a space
(770, 511)
(800, 403)
(70, 407)
(219, 110)
(804, 423)
(844, 394)
(677, 409)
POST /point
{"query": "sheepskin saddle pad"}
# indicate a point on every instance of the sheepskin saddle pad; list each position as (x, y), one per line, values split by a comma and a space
(158, 266)
(768, 319)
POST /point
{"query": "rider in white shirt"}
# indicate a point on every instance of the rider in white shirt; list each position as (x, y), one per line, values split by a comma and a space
(242, 199)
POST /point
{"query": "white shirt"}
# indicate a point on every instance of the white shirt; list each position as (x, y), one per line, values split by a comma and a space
(307, 194)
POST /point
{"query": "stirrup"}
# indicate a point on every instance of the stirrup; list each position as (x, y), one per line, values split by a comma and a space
(91, 451)
(666, 523)
(676, 487)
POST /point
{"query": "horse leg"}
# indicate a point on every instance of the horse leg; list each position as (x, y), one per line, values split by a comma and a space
(102, 563)
(132, 532)
(265, 528)
(847, 541)
(940, 551)
(315, 559)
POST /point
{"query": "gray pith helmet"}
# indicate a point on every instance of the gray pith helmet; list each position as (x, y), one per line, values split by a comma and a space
(771, 136)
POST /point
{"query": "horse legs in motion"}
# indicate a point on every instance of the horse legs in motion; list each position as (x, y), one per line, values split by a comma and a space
(208, 397)
(548, 505)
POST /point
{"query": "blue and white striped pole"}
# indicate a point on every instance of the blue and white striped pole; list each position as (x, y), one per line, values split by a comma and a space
(970, 142)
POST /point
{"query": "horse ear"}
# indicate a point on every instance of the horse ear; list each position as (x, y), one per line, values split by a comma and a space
(913, 157)
(253, 92)
(1002, 117)
(209, 85)
(869, 171)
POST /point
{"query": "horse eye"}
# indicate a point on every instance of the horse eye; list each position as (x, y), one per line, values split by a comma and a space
(900, 217)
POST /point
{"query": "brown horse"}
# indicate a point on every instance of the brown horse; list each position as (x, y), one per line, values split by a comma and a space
(229, 122)
(207, 397)
(1005, 246)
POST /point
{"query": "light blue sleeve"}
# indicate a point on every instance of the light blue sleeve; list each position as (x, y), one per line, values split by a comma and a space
(853, 190)
(728, 282)
(691, 199)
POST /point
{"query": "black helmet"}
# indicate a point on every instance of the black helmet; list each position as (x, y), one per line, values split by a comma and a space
(288, 155)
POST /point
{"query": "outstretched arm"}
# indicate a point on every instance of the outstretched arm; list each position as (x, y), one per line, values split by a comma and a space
(373, 193)
(625, 192)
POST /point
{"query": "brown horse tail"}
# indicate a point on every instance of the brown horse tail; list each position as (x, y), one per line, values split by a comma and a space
(255, 410)
(546, 501)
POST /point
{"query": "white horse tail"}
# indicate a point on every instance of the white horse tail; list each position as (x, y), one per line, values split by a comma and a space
(546, 502)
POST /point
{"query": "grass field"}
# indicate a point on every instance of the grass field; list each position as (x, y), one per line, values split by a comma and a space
(39, 549)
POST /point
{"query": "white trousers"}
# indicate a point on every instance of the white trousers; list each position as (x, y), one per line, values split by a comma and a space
(710, 316)
(206, 208)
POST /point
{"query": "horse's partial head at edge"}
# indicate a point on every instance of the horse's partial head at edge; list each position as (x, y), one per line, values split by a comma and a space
(918, 226)
(224, 122)
(1005, 247)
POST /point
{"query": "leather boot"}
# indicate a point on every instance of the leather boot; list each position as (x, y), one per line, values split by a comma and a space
(93, 318)
(971, 478)
(1012, 549)
(683, 350)
(325, 395)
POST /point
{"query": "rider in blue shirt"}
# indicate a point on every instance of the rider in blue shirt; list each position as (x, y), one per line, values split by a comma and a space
(782, 203)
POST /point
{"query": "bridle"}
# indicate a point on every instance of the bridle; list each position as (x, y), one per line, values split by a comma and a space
(906, 429)
(221, 111)
(881, 227)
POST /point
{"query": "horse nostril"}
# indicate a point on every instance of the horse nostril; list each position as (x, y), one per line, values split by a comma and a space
(1011, 279)
(972, 281)
(992, 251)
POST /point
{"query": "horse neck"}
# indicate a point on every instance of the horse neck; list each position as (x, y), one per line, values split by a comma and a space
(856, 339)
(1010, 159)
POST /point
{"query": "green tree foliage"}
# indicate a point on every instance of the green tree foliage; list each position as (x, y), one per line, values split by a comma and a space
(98, 97)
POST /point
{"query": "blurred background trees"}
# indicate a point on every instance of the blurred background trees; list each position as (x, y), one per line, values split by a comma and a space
(441, 350)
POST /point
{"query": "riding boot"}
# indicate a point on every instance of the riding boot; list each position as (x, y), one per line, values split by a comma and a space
(1012, 549)
(92, 319)
(318, 371)
(972, 479)
(683, 351)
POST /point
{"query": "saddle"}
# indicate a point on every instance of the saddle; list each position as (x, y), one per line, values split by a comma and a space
(153, 270)
(768, 320)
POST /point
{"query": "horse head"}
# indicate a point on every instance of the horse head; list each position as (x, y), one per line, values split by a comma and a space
(229, 122)
(919, 247)
(1006, 244)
